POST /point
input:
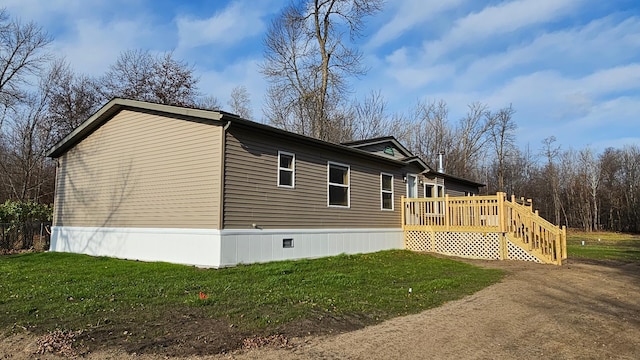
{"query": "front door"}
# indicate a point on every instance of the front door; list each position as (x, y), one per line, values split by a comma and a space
(412, 186)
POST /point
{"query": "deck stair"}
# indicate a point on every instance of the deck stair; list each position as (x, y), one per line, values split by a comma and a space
(485, 227)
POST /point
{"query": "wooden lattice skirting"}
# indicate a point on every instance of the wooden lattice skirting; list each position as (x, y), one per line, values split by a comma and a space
(473, 245)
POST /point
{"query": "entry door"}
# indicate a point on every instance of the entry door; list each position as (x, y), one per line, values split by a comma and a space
(412, 186)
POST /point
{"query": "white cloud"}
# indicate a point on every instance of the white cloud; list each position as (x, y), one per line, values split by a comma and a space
(410, 14)
(236, 22)
(498, 20)
(92, 46)
(602, 42)
(219, 83)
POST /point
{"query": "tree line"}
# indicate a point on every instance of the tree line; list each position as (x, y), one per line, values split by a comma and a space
(310, 60)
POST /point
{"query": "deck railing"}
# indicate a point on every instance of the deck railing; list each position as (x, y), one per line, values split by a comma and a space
(512, 218)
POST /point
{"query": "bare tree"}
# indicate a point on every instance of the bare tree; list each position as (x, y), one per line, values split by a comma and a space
(72, 99)
(208, 102)
(430, 131)
(502, 135)
(22, 54)
(591, 168)
(308, 63)
(370, 118)
(471, 134)
(26, 171)
(240, 102)
(551, 152)
(161, 79)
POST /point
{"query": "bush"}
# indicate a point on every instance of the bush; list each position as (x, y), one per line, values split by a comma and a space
(21, 221)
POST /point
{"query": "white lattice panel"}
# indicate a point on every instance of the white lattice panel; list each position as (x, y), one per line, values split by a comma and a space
(517, 253)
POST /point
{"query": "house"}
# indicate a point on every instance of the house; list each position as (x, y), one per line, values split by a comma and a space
(164, 183)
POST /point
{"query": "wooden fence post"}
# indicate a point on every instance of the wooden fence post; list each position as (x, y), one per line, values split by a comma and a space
(504, 248)
(404, 222)
(564, 242)
(446, 212)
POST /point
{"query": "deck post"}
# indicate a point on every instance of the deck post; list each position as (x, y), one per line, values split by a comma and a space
(501, 212)
(564, 242)
(558, 246)
(446, 212)
(504, 249)
(404, 222)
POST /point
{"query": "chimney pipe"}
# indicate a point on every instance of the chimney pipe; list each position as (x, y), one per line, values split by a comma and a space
(440, 162)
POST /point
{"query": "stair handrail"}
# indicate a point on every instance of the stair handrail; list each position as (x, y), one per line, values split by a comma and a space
(535, 233)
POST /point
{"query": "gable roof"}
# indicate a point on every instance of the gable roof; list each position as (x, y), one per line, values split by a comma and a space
(116, 105)
(112, 108)
(380, 140)
(220, 117)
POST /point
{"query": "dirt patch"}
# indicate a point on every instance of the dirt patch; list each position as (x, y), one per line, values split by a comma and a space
(582, 310)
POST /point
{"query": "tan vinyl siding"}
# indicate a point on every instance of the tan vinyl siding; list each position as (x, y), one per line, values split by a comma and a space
(251, 194)
(142, 170)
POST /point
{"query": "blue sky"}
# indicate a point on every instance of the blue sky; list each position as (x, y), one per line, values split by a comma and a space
(570, 68)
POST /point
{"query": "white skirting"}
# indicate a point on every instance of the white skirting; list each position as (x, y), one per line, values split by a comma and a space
(218, 248)
(199, 247)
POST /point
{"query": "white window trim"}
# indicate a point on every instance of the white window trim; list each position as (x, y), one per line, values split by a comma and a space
(292, 170)
(415, 185)
(383, 191)
(348, 186)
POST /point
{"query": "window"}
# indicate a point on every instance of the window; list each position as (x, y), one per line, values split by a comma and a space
(286, 169)
(287, 243)
(428, 190)
(338, 183)
(386, 189)
(433, 190)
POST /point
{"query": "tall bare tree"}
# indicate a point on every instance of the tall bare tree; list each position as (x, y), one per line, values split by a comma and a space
(308, 63)
(471, 134)
(26, 171)
(430, 130)
(591, 167)
(240, 102)
(370, 118)
(22, 54)
(161, 79)
(72, 98)
(551, 151)
(208, 102)
(502, 135)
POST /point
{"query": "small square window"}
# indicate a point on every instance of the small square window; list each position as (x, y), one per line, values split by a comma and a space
(287, 243)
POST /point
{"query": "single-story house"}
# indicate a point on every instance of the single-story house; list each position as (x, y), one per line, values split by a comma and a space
(154, 182)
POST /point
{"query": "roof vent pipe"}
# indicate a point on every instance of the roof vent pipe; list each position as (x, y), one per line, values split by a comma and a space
(441, 162)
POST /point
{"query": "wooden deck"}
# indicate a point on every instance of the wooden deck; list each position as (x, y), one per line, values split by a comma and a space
(483, 227)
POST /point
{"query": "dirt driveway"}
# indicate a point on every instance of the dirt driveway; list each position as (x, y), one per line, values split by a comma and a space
(581, 310)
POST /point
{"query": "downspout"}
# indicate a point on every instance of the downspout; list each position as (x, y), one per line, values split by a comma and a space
(223, 146)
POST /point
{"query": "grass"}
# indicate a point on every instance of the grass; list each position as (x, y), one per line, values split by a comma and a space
(45, 291)
(603, 246)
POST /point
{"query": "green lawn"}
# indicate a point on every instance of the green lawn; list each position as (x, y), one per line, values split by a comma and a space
(603, 246)
(45, 291)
